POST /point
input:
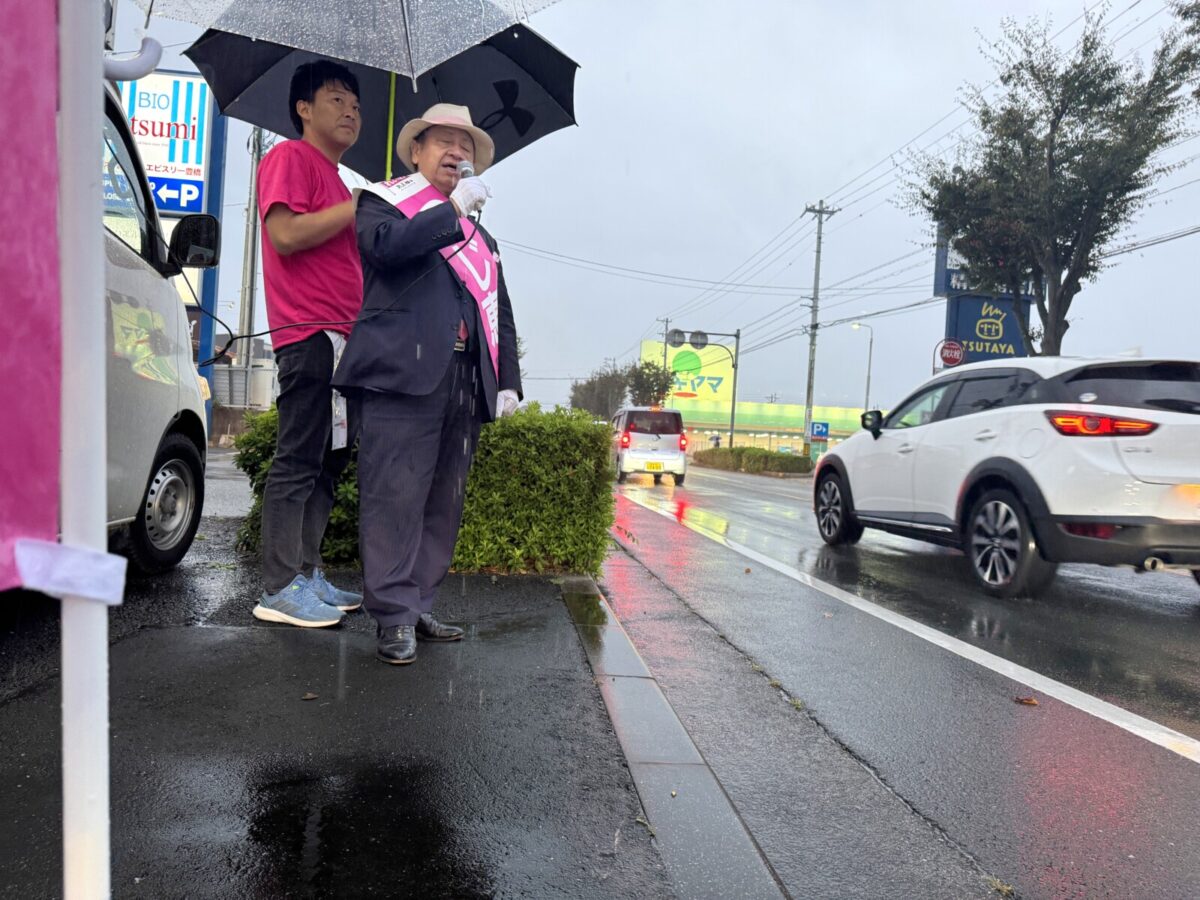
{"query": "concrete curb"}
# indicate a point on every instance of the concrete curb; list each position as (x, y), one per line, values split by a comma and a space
(763, 474)
(707, 849)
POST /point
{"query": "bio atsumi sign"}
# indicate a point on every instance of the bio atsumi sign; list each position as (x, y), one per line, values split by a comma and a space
(170, 115)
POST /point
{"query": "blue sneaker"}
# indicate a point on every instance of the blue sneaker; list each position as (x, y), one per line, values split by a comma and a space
(331, 596)
(297, 604)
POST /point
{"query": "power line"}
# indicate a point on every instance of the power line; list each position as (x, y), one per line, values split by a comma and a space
(661, 278)
(849, 199)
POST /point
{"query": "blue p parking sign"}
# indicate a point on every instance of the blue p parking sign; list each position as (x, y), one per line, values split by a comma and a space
(820, 431)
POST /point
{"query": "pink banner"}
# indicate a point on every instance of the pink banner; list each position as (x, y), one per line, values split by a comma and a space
(30, 354)
(473, 261)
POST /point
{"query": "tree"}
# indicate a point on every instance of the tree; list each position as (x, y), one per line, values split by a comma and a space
(1062, 160)
(649, 383)
(602, 393)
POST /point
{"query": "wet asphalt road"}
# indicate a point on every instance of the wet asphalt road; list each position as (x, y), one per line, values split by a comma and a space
(1047, 799)
(1130, 638)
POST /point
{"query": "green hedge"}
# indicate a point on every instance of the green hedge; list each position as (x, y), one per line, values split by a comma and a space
(751, 459)
(539, 497)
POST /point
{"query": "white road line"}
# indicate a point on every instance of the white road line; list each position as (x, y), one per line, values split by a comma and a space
(1187, 747)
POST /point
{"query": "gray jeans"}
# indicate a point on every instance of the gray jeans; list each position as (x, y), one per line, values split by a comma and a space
(298, 496)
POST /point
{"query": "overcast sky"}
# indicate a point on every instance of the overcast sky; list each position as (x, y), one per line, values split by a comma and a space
(706, 128)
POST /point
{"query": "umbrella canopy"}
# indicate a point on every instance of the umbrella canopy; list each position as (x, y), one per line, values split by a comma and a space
(518, 86)
(408, 37)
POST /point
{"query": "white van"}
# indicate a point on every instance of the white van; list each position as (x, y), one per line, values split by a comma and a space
(157, 435)
(649, 439)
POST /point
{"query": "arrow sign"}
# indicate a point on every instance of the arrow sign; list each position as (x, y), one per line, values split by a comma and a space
(177, 195)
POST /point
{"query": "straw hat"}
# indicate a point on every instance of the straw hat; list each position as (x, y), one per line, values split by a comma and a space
(452, 117)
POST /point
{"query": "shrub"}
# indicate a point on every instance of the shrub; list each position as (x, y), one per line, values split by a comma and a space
(752, 459)
(539, 496)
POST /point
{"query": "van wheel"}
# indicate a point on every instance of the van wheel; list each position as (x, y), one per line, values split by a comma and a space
(657, 478)
(1001, 547)
(170, 512)
(834, 519)
(678, 480)
(1196, 575)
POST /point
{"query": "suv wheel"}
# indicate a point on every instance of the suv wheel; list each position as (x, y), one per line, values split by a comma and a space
(1001, 547)
(834, 519)
(1196, 575)
(170, 511)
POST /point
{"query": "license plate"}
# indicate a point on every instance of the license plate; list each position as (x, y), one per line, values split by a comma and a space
(653, 467)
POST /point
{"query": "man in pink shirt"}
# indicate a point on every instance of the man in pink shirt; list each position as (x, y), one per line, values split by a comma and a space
(314, 288)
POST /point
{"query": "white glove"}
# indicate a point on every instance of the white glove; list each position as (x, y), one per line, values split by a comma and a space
(506, 403)
(470, 195)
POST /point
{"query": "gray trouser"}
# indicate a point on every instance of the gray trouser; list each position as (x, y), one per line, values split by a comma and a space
(414, 454)
(298, 496)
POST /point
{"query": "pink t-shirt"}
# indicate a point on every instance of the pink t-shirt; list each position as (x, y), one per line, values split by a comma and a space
(323, 283)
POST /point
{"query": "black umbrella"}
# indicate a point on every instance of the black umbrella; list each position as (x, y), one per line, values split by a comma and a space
(518, 86)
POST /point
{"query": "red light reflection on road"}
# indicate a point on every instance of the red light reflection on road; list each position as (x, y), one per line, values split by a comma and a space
(681, 508)
(1088, 804)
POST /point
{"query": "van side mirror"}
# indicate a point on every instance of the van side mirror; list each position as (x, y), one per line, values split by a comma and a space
(195, 243)
(872, 421)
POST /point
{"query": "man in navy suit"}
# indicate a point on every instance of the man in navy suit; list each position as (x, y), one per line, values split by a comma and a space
(432, 357)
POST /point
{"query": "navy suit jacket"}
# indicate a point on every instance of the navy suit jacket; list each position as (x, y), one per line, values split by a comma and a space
(412, 305)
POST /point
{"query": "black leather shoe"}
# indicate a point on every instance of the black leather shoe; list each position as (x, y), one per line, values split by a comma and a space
(430, 629)
(397, 644)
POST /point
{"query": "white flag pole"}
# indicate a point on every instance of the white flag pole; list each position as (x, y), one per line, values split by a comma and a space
(83, 483)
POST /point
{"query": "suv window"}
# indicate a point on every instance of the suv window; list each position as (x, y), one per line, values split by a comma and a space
(124, 203)
(980, 394)
(1166, 385)
(919, 409)
(653, 422)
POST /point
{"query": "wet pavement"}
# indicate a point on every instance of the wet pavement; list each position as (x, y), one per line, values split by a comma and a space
(757, 738)
(260, 761)
(1048, 798)
(826, 823)
(1131, 639)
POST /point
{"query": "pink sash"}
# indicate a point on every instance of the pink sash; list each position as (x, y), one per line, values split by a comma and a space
(473, 262)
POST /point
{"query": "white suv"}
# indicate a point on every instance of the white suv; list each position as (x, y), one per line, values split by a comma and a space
(649, 439)
(1026, 464)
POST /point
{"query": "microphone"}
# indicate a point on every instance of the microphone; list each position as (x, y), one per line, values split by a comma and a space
(466, 169)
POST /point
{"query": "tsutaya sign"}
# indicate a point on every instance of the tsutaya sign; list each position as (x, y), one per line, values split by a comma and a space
(170, 115)
(986, 325)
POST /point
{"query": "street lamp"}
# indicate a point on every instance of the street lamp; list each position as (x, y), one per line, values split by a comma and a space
(734, 356)
(870, 353)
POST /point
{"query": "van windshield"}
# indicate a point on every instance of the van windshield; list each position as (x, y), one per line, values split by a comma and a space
(654, 422)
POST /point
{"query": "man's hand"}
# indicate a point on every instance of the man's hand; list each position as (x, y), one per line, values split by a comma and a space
(470, 195)
(506, 403)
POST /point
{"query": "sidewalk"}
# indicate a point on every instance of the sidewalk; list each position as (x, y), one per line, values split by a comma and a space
(253, 760)
(259, 761)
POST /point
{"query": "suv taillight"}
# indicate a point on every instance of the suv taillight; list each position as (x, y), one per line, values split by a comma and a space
(683, 442)
(1086, 425)
(624, 438)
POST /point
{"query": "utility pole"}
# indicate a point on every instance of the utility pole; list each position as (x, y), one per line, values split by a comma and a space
(666, 327)
(249, 266)
(822, 212)
(737, 344)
